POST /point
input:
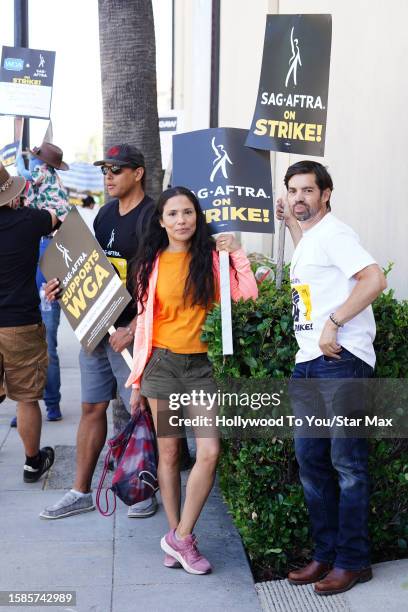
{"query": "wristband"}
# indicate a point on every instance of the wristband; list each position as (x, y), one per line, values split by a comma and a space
(135, 386)
(333, 320)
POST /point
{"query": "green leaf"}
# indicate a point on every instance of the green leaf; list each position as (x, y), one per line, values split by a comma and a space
(275, 551)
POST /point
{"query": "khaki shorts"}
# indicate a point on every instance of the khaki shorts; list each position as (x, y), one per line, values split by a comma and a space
(23, 361)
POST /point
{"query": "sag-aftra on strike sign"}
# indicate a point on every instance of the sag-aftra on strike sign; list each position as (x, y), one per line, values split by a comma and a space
(232, 182)
(93, 296)
(291, 108)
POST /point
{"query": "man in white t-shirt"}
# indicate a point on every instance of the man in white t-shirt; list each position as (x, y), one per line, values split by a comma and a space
(334, 282)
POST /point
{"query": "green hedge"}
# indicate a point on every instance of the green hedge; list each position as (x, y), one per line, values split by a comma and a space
(259, 478)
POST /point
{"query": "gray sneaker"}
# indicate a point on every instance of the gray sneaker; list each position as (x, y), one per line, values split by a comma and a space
(143, 509)
(67, 506)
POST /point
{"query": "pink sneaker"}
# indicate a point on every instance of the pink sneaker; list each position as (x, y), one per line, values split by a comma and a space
(186, 552)
(171, 562)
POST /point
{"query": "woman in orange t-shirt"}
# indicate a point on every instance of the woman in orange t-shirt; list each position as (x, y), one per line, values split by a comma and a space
(177, 283)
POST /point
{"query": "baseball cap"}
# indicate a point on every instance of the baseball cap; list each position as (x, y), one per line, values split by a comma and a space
(123, 155)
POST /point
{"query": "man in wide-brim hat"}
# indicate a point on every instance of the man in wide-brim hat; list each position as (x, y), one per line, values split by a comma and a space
(51, 155)
(10, 186)
(44, 188)
(23, 349)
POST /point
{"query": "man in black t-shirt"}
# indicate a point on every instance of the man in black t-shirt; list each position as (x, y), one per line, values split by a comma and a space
(23, 348)
(118, 227)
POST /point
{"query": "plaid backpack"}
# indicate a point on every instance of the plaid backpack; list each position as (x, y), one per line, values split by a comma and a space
(135, 456)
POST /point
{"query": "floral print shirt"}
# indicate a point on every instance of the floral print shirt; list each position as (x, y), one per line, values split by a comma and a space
(46, 191)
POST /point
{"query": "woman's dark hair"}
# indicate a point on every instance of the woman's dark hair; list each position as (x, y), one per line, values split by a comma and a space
(200, 287)
(323, 178)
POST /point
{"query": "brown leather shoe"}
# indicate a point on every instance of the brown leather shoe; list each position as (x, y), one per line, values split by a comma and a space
(313, 572)
(341, 580)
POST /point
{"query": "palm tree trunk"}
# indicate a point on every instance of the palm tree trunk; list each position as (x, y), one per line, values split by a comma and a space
(128, 72)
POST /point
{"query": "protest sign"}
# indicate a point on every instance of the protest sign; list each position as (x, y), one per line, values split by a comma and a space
(291, 107)
(232, 182)
(93, 296)
(234, 186)
(26, 77)
(170, 123)
(8, 154)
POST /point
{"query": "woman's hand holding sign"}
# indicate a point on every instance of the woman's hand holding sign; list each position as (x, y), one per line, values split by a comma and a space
(227, 242)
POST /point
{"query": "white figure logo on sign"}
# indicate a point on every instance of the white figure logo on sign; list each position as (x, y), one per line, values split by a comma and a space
(220, 161)
(294, 61)
(42, 61)
(65, 253)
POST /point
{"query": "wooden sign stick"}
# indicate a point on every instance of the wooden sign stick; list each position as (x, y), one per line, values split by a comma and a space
(281, 253)
(225, 290)
(125, 353)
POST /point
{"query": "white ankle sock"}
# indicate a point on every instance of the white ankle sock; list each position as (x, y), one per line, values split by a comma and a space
(78, 493)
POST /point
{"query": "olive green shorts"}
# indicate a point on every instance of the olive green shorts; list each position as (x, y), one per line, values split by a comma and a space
(167, 373)
(186, 393)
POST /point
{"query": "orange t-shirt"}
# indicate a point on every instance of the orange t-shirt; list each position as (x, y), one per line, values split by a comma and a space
(176, 326)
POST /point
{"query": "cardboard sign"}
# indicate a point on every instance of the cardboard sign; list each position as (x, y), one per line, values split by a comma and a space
(93, 296)
(291, 108)
(26, 77)
(232, 182)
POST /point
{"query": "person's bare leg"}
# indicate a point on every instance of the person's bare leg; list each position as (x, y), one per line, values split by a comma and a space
(168, 472)
(199, 483)
(91, 438)
(29, 426)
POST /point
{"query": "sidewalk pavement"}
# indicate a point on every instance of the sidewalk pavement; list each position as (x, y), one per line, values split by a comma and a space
(114, 564)
(386, 592)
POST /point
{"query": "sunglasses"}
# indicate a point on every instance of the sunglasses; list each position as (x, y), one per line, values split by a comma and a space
(113, 169)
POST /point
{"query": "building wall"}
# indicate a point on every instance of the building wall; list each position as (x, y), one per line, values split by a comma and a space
(192, 72)
(367, 127)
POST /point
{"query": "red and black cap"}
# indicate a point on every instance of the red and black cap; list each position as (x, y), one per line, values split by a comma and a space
(123, 155)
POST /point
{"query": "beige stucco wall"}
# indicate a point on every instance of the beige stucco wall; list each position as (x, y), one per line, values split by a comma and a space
(367, 131)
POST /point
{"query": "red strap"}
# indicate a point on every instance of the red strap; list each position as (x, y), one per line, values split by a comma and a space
(100, 486)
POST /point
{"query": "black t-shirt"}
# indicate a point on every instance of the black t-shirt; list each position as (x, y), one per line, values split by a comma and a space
(20, 233)
(119, 236)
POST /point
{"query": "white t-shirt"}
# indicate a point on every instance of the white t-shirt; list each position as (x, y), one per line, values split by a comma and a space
(323, 264)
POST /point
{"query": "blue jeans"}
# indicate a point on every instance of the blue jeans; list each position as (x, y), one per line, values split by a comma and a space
(334, 475)
(52, 395)
(51, 318)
